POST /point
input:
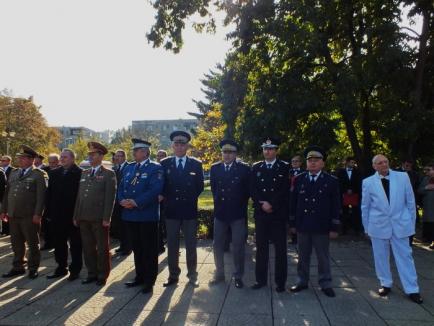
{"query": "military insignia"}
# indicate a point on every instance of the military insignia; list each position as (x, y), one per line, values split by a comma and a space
(160, 175)
(99, 177)
(268, 142)
(258, 174)
(168, 171)
(82, 180)
(144, 175)
(192, 173)
(280, 175)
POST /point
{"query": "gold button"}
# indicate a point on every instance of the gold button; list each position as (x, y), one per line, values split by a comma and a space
(264, 190)
(313, 199)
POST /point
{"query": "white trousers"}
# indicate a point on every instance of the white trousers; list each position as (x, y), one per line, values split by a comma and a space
(402, 253)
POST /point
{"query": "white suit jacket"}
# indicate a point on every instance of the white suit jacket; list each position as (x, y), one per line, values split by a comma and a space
(381, 219)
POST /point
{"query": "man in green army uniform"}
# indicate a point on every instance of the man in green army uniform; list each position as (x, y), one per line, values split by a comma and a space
(93, 209)
(23, 205)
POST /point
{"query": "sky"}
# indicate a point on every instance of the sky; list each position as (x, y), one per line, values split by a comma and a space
(88, 63)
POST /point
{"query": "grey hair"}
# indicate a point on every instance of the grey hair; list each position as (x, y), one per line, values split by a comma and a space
(70, 151)
(51, 155)
(376, 156)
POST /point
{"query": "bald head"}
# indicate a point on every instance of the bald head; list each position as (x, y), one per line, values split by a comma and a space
(380, 163)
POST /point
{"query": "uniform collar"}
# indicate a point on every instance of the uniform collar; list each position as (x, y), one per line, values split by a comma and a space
(270, 162)
(316, 175)
(96, 168)
(143, 162)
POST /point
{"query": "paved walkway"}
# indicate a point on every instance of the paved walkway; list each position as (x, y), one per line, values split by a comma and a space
(59, 302)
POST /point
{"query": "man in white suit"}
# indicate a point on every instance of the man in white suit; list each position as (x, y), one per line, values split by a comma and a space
(388, 214)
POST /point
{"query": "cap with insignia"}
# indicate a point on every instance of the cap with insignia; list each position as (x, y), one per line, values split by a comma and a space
(315, 152)
(27, 151)
(95, 147)
(270, 143)
(139, 143)
(229, 145)
(180, 137)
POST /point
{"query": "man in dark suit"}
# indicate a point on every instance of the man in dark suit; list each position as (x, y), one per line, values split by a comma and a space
(230, 188)
(161, 154)
(5, 164)
(118, 226)
(314, 215)
(350, 185)
(294, 171)
(47, 227)
(269, 189)
(182, 186)
(61, 195)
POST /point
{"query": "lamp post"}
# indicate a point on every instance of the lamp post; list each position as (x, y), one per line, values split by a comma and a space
(8, 134)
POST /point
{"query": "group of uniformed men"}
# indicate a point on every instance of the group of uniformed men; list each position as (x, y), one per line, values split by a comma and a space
(81, 205)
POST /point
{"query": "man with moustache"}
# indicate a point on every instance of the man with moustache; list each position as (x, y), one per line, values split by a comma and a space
(23, 205)
(92, 213)
(314, 216)
(230, 188)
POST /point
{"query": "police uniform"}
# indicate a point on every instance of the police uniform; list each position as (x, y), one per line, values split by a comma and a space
(230, 189)
(183, 183)
(23, 199)
(142, 183)
(270, 182)
(314, 212)
(94, 204)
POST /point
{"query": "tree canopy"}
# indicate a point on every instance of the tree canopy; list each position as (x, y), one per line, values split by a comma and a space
(347, 75)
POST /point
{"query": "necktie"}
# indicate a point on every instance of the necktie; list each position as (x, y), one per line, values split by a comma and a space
(22, 173)
(269, 165)
(312, 178)
(180, 167)
(92, 173)
(386, 188)
(227, 167)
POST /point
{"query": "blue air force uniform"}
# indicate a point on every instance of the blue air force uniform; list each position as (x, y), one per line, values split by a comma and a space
(183, 183)
(270, 182)
(314, 212)
(142, 182)
(230, 189)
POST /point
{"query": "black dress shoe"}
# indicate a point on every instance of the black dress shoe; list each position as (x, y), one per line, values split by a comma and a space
(194, 282)
(101, 282)
(125, 253)
(383, 291)
(161, 251)
(329, 292)
(133, 283)
(257, 286)
(239, 283)
(13, 273)
(170, 282)
(415, 297)
(57, 274)
(88, 280)
(72, 277)
(118, 250)
(148, 289)
(298, 288)
(280, 288)
(44, 248)
(33, 274)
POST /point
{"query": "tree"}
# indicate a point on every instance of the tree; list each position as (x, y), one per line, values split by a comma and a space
(22, 118)
(342, 74)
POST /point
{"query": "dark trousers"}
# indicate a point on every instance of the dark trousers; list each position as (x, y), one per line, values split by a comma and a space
(351, 219)
(320, 242)
(144, 239)
(161, 233)
(275, 230)
(67, 232)
(5, 227)
(47, 232)
(125, 239)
